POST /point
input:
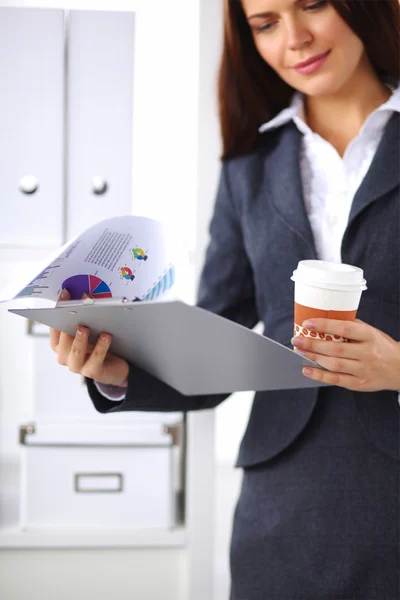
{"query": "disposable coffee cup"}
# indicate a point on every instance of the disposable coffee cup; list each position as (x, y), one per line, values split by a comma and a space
(326, 290)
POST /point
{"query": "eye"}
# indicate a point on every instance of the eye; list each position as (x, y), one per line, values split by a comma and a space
(317, 5)
(265, 27)
(311, 7)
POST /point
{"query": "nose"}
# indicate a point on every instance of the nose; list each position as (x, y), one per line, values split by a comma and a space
(298, 36)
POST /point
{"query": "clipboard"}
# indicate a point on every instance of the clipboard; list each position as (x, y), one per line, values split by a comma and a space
(191, 349)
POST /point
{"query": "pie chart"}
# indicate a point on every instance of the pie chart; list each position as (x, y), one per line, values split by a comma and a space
(86, 284)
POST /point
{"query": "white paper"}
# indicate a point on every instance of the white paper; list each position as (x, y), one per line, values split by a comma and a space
(123, 257)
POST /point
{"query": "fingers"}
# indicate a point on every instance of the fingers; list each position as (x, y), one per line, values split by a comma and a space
(337, 365)
(339, 349)
(64, 348)
(54, 338)
(65, 295)
(54, 333)
(352, 330)
(77, 345)
(94, 365)
(76, 349)
(334, 356)
(340, 380)
(75, 352)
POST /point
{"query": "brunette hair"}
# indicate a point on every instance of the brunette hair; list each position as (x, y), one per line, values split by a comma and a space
(251, 93)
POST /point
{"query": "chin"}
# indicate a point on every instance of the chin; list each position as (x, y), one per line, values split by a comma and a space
(317, 87)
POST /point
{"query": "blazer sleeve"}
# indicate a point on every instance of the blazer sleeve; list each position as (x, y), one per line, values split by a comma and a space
(226, 287)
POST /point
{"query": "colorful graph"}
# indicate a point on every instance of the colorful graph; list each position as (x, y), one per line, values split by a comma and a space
(126, 273)
(162, 285)
(31, 290)
(35, 287)
(139, 254)
(87, 284)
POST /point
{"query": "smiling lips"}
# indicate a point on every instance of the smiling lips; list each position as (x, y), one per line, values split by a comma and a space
(312, 64)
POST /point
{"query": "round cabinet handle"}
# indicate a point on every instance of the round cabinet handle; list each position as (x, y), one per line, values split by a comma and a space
(99, 185)
(28, 184)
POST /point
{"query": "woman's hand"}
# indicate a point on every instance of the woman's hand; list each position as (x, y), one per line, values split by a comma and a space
(90, 361)
(369, 362)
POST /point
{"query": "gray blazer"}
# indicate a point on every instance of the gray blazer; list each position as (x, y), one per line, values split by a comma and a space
(259, 232)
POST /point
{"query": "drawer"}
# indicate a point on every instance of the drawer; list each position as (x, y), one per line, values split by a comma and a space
(107, 486)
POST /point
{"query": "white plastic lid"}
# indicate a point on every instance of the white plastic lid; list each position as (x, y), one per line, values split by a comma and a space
(329, 275)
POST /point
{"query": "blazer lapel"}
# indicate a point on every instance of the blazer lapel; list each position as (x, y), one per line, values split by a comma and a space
(285, 185)
(282, 171)
(384, 172)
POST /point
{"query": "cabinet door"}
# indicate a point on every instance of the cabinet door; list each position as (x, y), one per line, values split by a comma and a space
(31, 126)
(100, 93)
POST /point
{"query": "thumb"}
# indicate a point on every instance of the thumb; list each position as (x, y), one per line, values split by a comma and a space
(65, 295)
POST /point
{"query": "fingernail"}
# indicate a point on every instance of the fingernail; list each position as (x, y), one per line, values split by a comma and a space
(79, 331)
(309, 324)
(64, 294)
(104, 337)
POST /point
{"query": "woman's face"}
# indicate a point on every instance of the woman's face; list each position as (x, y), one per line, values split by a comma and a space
(289, 32)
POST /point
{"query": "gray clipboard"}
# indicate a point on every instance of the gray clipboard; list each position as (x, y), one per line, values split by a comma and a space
(189, 348)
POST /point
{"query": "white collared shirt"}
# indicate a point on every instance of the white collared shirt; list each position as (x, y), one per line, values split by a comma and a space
(330, 181)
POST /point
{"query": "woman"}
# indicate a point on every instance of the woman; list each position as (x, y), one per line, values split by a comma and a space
(309, 111)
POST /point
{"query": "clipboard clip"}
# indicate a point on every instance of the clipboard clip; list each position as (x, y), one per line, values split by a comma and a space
(91, 301)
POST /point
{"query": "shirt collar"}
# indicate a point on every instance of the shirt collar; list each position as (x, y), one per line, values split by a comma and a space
(295, 112)
(295, 109)
(393, 103)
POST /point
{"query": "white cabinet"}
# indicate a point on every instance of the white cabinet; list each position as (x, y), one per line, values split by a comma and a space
(66, 115)
(100, 73)
(31, 127)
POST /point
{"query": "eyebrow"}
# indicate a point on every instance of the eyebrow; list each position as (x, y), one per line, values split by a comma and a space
(263, 15)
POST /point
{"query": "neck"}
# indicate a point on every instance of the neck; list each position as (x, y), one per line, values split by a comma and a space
(339, 117)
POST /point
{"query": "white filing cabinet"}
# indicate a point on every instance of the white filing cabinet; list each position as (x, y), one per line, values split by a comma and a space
(66, 122)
